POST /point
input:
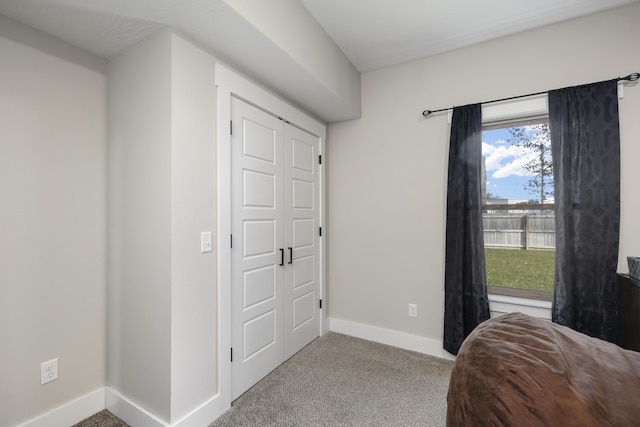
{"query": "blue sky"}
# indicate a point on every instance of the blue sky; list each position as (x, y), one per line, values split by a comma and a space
(506, 175)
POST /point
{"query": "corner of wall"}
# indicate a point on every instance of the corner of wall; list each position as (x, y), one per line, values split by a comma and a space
(53, 221)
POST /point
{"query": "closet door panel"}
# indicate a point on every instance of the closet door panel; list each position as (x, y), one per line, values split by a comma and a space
(301, 214)
(257, 276)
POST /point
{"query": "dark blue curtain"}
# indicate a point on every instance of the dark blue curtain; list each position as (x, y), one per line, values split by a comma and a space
(465, 288)
(585, 140)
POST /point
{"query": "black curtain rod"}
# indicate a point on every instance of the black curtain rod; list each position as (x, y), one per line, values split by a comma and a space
(426, 113)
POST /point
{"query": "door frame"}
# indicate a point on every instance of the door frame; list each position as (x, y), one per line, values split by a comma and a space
(228, 84)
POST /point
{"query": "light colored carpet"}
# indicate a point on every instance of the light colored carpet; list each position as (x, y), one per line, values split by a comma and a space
(102, 419)
(339, 380)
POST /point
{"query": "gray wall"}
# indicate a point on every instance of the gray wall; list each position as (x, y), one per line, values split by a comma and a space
(387, 173)
(162, 291)
(52, 221)
(139, 270)
(194, 305)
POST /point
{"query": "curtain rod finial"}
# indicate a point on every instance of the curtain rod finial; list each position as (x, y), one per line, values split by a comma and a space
(633, 77)
(427, 113)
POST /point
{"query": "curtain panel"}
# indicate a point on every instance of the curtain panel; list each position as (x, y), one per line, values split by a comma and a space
(585, 140)
(466, 302)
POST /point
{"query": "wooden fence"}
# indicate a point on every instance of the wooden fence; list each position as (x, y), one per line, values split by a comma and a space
(519, 230)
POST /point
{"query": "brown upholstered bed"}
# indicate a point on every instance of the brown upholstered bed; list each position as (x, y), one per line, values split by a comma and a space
(516, 370)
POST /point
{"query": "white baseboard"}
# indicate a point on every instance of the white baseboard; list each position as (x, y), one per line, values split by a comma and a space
(430, 346)
(130, 412)
(135, 415)
(72, 412)
(204, 414)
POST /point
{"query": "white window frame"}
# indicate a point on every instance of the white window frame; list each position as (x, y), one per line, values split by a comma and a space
(530, 107)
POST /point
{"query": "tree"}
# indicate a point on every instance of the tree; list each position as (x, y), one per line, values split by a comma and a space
(536, 139)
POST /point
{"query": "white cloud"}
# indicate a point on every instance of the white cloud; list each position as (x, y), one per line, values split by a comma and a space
(505, 160)
(500, 142)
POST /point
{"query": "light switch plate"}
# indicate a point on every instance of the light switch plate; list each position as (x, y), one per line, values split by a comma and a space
(206, 241)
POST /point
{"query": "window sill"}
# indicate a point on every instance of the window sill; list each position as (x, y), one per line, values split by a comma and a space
(525, 302)
(520, 293)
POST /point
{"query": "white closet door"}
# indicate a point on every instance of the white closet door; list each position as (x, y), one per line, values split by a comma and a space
(257, 276)
(275, 258)
(301, 215)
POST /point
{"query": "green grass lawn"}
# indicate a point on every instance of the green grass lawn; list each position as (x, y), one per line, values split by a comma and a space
(518, 268)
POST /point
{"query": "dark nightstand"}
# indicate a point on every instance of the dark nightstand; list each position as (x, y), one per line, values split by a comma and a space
(628, 312)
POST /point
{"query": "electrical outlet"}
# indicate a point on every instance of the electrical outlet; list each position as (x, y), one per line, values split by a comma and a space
(413, 310)
(48, 371)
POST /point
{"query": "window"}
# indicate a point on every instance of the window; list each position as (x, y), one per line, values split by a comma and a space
(518, 210)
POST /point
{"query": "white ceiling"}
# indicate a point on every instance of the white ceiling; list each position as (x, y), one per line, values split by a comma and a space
(379, 33)
(372, 33)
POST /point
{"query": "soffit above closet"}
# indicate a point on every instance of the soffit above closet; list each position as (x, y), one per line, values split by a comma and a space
(107, 27)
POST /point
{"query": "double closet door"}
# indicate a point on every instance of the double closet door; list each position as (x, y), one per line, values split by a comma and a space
(275, 255)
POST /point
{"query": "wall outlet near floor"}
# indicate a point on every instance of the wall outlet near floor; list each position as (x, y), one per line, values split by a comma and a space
(48, 371)
(413, 310)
